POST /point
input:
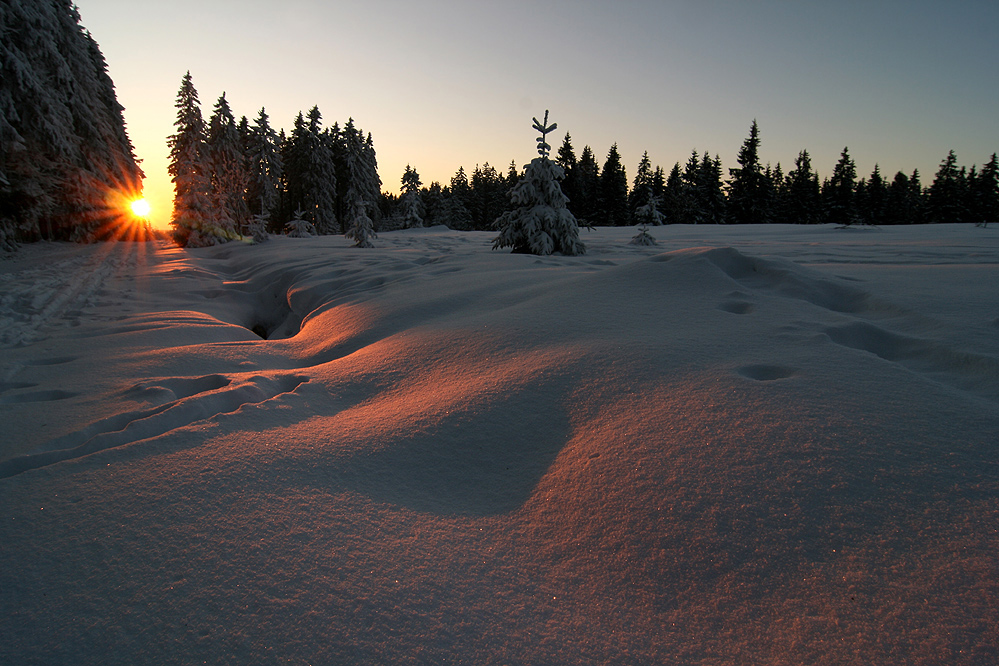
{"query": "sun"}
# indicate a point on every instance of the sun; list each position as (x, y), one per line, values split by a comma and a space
(140, 208)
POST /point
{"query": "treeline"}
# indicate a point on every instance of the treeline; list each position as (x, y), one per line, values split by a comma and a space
(67, 167)
(698, 193)
(235, 179)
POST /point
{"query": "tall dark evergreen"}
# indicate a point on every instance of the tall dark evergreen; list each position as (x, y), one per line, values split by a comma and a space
(614, 191)
(310, 173)
(874, 205)
(985, 195)
(67, 167)
(566, 158)
(265, 168)
(748, 188)
(190, 168)
(708, 194)
(229, 174)
(674, 197)
(488, 196)
(586, 207)
(454, 205)
(838, 194)
(802, 200)
(946, 199)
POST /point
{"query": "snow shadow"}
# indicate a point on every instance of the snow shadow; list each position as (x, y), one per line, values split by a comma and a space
(480, 464)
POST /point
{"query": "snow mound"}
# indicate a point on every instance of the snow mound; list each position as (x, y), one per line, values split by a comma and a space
(744, 445)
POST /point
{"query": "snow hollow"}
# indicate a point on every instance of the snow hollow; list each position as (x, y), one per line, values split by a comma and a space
(742, 445)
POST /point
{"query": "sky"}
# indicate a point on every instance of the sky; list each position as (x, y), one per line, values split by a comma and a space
(442, 84)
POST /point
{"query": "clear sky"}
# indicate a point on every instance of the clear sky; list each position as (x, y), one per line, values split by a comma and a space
(442, 84)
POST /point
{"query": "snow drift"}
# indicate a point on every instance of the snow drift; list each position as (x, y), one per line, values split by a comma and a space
(742, 445)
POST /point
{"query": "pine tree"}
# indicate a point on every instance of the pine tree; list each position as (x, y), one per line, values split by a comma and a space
(876, 199)
(748, 196)
(674, 197)
(839, 193)
(946, 198)
(709, 197)
(190, 169)
(66, 164)
(614, 191)
(229, 175)
(803, 201)
(410, 203)
(566, 158)
(486, 196)
(586, 208)
(454, 206)
(299, 225)
(363, 183)
(642, 186)
(540, 223)
(986, 194)
(311, 172)
(265, 168)
(361, 229)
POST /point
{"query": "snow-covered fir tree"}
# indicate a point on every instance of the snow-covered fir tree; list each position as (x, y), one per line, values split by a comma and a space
(310, 172)
(64, 152)
(540, 223)
(648, 213)
(643, 237)
(299, 226)
(229, 176)
(410, 204)
(265, 168)
(189, 167)
(363, 183)
(361, 229)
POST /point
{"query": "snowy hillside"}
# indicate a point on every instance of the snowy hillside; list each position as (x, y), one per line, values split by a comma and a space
(743, 445)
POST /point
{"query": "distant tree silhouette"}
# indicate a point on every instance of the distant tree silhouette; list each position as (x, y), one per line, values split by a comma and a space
(614, 191)
(748, 196)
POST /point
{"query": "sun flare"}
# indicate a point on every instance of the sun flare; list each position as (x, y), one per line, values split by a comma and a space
(140, 208)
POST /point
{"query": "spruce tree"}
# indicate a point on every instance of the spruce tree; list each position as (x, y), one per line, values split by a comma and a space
(708, 191)
(363, 183)
(229, 175)
(190, 169)
(614, 191)
(540, 223)
(586, 208)
(411, 206)
(839, 193)
(748, 187)
(802, 201)
(674, 197)
(265, 168)
(566, 158)
(986, 194)
(875, 206)
(67, 167)
(946, 197)
(642, 186)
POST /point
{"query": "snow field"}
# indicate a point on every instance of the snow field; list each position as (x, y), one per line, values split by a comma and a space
(761, 445)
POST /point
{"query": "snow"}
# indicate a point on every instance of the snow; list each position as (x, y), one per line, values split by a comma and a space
(764, 444)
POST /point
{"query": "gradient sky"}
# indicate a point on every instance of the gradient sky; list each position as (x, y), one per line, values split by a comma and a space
(442, 84)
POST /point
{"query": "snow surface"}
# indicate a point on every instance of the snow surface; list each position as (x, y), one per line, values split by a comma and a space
(744, 445)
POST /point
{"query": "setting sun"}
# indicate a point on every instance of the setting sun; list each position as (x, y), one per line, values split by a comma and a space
(140, 208)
